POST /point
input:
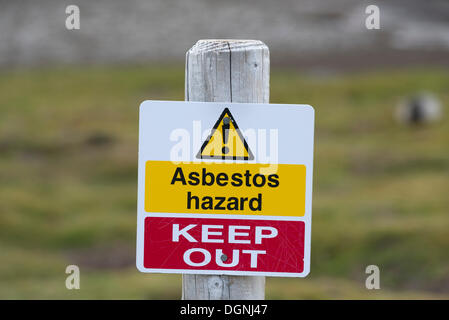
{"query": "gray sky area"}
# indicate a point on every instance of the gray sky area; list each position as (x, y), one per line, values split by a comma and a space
(33, 32)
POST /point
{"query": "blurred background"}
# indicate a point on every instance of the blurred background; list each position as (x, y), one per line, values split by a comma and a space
(69, 132)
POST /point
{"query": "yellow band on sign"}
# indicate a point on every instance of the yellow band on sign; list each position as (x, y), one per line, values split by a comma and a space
(238, 188)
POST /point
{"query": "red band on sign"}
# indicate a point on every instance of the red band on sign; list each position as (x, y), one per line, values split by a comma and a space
(224, 244)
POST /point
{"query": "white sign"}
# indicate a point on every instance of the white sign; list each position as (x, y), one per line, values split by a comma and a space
(225, 188)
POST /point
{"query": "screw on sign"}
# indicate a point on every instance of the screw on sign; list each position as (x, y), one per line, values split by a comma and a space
(224, 208)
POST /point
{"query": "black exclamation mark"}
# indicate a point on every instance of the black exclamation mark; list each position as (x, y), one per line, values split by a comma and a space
(225, 135)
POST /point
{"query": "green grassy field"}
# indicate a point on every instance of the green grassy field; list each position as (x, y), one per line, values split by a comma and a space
(68, 184)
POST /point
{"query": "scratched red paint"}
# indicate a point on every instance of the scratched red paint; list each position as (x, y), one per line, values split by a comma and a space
(166, 241)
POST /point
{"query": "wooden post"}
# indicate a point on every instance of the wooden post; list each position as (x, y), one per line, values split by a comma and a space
(226, 71)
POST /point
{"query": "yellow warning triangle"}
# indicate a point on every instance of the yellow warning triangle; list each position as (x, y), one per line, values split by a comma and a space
(225, 141)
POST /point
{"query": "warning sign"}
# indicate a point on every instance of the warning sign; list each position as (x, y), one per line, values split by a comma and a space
(225, 141)
(225, 188)
(225, 246)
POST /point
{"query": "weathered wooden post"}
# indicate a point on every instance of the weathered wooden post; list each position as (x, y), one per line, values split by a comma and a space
(226, 71)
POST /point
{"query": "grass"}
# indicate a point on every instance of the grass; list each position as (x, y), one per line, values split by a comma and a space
(68, 183)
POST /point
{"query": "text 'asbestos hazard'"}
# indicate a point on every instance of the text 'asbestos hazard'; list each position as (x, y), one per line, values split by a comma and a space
(221, 188)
